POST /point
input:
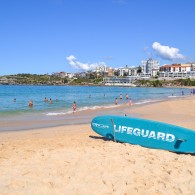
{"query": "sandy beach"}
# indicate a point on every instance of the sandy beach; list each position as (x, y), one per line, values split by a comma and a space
(74, 160)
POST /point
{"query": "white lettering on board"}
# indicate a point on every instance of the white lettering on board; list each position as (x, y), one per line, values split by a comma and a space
(139, 132)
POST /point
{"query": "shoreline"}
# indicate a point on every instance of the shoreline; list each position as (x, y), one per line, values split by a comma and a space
(14, 113)
(85, 116)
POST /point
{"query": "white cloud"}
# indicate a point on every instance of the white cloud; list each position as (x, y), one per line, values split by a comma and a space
(82, 66)
(166, 52)
(71, 58)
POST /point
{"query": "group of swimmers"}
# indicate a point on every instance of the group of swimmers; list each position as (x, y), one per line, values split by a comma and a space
(192, 91)
(45, 100)
(30, 104)
(50, 100)
(74, 107)
(121, 97)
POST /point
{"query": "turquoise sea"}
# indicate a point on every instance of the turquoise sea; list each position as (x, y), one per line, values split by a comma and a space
(86, 97)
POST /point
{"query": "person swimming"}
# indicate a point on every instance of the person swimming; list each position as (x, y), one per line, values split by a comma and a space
(30, 104)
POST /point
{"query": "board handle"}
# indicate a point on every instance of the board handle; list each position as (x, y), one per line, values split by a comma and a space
(182, 140)
(114, 133)
(178, 143)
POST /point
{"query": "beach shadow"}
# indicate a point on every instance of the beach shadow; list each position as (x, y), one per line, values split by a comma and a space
(99, 137)
(191, 154)
(109, 138)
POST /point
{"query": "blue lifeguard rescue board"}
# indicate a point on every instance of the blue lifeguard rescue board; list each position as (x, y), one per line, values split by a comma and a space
(147, 133)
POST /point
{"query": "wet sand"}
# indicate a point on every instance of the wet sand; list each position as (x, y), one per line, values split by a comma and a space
(73, 159)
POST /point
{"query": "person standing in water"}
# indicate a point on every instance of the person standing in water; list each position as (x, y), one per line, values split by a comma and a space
(116, 101)
(74, 107)
(45, 100)
(127, 96)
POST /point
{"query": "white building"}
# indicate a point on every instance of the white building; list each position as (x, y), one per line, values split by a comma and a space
(150, 67)
(123, 71)
(70, 75)
(128, 71)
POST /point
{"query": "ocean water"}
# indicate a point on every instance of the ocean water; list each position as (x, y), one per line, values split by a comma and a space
(86, 97)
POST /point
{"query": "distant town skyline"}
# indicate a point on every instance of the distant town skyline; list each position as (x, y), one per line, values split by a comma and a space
(48, 36)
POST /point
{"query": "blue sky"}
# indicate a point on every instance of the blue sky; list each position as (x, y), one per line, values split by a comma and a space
(45, 36)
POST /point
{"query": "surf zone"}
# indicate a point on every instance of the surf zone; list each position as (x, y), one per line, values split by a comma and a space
(145, 133)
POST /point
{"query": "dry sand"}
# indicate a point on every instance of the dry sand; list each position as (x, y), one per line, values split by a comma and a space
(74, 160)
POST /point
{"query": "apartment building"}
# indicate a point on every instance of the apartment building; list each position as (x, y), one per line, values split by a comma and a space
(178, 70)
(150, 67)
